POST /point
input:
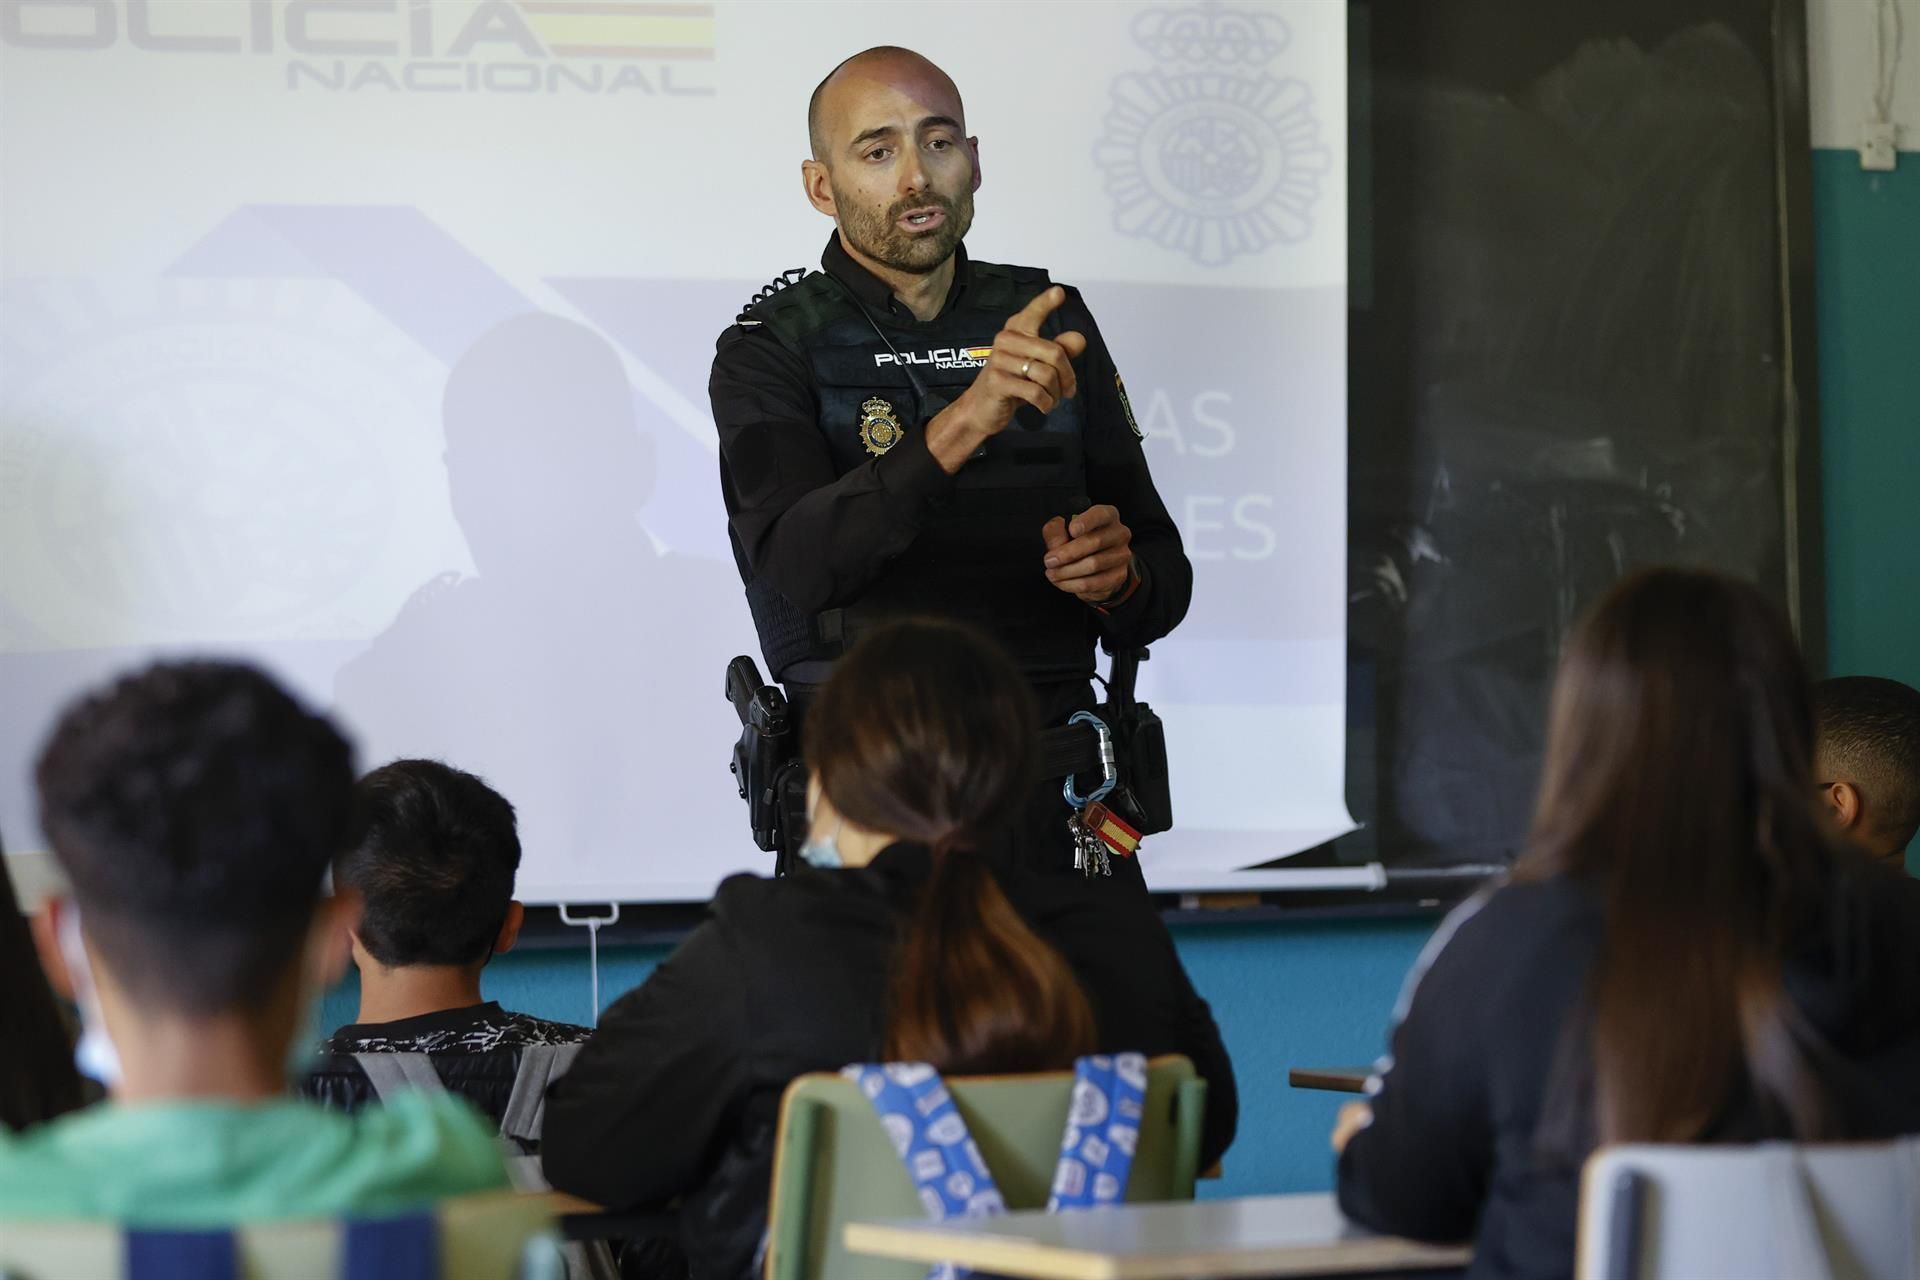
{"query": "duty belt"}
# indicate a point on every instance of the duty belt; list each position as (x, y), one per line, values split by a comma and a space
(1082, 746)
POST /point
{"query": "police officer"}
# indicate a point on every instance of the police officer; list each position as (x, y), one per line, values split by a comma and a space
(910, 430)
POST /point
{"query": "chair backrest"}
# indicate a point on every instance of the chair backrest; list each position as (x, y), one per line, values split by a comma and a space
(833, 1162)
(1776, 1211)
(476, 1237)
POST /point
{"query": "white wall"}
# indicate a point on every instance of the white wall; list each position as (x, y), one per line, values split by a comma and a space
(1840, 68)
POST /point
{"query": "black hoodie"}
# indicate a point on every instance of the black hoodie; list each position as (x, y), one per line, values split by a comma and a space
(678, 1092)
(1459, 1147)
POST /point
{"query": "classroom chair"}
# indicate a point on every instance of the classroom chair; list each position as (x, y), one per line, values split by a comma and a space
(1776, 1211)
(495, 1235)
(834, 1164)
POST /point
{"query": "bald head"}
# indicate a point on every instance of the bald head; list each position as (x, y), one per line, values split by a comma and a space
(835, 99)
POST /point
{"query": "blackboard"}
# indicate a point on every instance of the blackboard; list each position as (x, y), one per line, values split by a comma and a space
(1580, 342)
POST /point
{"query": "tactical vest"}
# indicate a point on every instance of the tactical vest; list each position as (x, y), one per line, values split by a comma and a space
(978, 556)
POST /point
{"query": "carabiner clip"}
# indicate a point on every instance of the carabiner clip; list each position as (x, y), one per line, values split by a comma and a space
(1109, 772)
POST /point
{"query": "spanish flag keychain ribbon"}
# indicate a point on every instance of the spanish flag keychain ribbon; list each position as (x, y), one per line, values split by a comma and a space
(1110, 829)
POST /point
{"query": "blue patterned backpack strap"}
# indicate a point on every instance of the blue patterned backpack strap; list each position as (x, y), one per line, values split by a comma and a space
(931, 1139)
(1103, 1130)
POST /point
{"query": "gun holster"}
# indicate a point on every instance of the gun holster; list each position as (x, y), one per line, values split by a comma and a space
(766, 765)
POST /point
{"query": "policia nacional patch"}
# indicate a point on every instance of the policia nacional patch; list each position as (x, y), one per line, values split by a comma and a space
(880, 429)
(1126, 406)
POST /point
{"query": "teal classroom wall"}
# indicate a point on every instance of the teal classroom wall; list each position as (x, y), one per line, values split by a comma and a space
(1307, 994)
(1317, 993)
(1867, 302)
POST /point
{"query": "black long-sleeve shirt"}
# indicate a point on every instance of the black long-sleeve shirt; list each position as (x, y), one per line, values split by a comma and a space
(822, 536)
(678, 1092)
(1461, 1145)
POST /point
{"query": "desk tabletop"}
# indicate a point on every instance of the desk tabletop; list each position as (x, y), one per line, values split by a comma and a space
(1294, 1235)
(1336, 1079)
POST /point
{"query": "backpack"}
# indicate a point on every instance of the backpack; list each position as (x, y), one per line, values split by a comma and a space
(540, 1065)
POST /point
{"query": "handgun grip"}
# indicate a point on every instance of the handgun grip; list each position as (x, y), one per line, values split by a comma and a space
(743, 681)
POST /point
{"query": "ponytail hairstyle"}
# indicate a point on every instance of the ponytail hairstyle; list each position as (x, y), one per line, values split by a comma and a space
(927, 732)
(1678, 783)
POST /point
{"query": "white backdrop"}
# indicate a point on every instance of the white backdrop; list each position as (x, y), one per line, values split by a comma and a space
(369, 338)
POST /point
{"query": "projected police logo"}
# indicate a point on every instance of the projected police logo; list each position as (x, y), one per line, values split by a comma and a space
(186, 461)
(1210, 155)
(594, 47)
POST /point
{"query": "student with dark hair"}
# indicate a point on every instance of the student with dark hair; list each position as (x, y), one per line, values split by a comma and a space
(1866, 760)
(1681, 955)
(194, 808)
(37, 1076)
(434, 862)
(900, 941)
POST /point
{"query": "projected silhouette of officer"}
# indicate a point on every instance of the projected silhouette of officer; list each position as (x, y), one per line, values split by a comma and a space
(564, 671)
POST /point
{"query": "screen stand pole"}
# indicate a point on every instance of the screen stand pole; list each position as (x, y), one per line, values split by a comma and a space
(592, 925)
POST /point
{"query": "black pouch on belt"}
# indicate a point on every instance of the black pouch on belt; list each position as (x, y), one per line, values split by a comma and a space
(1144, 794)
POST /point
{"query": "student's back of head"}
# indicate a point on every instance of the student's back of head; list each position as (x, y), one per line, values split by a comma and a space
(433, 859)
(1867, 759)
(926, 732)
(1676, 783)
(194, 808)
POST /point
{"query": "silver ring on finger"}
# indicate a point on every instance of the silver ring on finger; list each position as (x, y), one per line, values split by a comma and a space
(1025, 365)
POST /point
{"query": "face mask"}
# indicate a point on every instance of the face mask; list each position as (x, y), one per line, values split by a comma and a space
(303, 1051)
(310, 1034)
(824, 854)
(94, 1056)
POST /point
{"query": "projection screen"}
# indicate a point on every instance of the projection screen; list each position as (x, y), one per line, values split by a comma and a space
(249, 249)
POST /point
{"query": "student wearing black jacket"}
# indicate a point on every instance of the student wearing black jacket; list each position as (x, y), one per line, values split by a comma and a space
(433, 860)
(910, 950)
(1684, 955)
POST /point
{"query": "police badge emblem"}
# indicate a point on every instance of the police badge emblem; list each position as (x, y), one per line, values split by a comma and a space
(879, 428)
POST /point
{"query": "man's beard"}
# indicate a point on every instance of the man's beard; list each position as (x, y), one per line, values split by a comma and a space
(882, 238)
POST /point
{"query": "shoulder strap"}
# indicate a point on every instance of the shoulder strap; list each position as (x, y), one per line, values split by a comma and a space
(1103, 1131)
(931, 1138)
(1000, 288)
(795, 313)
(392, 1074)
(540, 1065)
(785, 280)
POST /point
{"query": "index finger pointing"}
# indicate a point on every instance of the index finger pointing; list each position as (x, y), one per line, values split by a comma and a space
(1028, 319)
